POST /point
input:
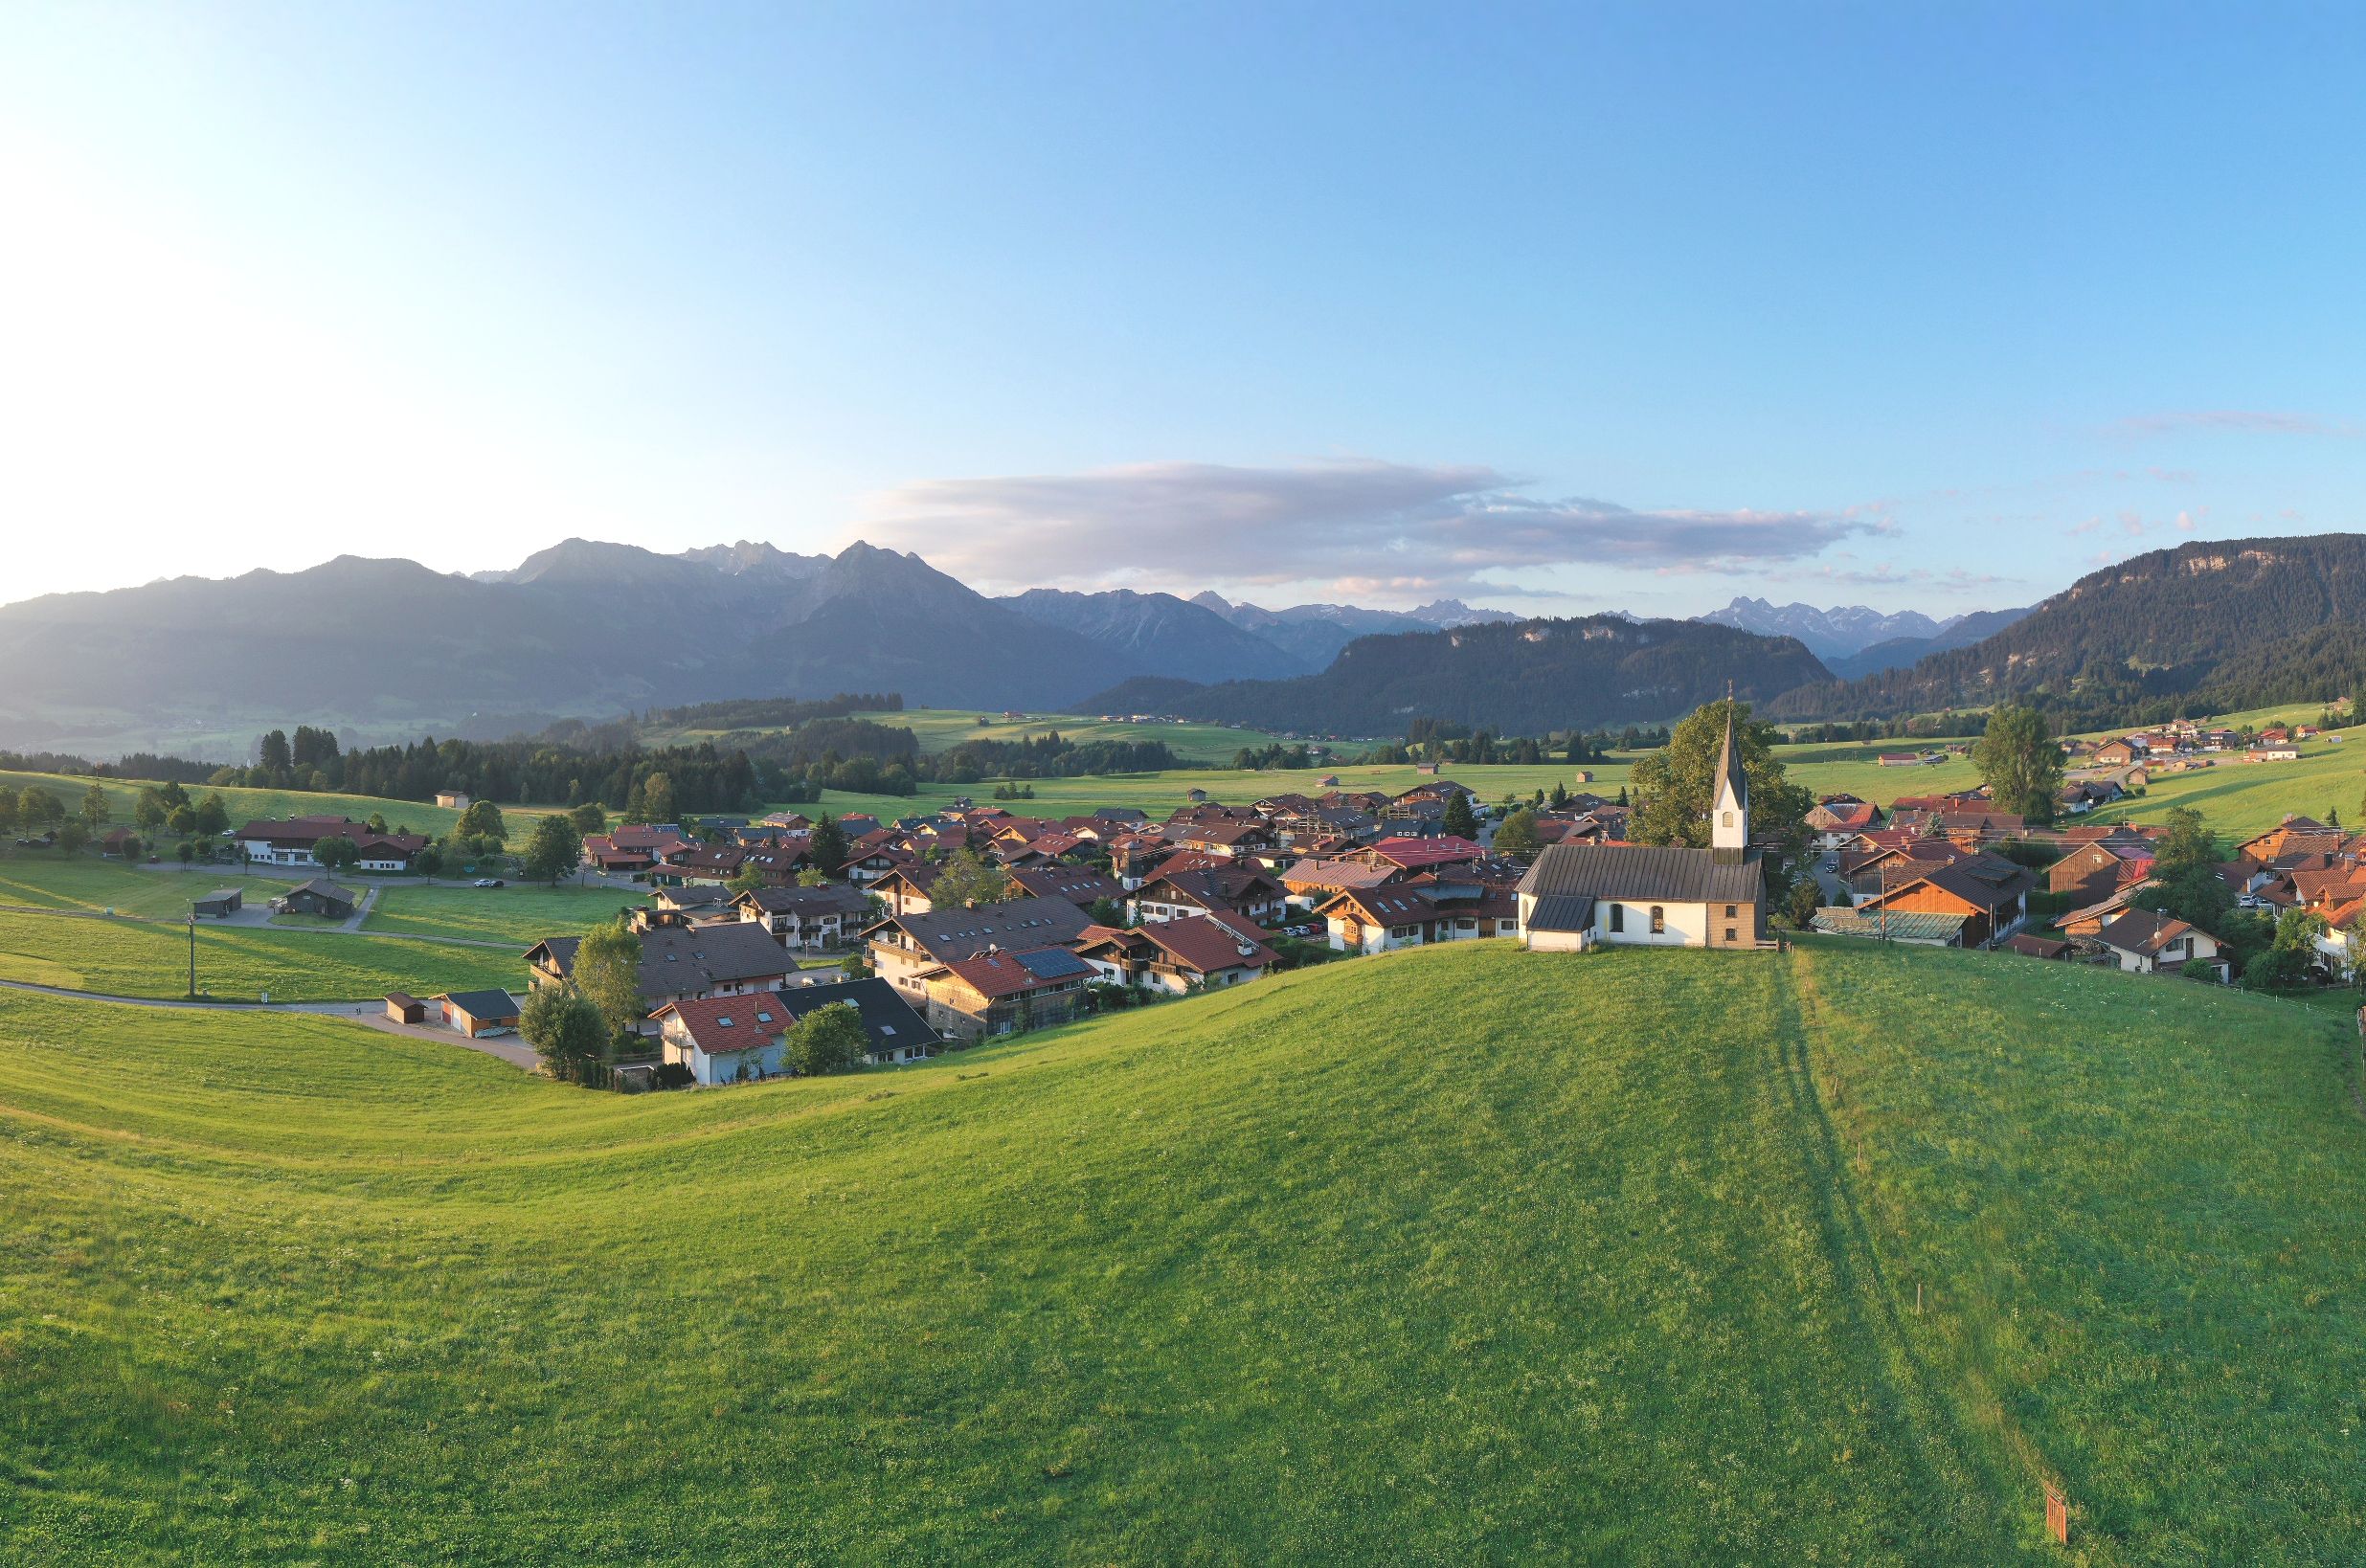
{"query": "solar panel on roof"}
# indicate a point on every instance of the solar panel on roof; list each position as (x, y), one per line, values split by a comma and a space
(1054, 962)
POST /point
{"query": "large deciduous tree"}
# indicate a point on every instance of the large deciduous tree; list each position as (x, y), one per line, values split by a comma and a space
(1517, 835)
(1675, 787)
(554, 849)
(827, 1040)
(608, 973)
(965, 882)
(2020, 762)
(565, 1030)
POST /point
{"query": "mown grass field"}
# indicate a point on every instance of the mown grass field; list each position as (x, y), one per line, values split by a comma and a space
(245, 804)
(941, 729)
(145, 958)
(519, 914)
(1555, 1259)
(50, 880)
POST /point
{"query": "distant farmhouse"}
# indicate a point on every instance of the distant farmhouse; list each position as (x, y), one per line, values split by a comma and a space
(293, 841)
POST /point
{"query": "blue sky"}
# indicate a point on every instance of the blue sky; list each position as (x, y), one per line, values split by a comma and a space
(1559, 308)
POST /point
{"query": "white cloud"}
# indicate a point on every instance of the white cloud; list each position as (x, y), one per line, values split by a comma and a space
(1395, 526)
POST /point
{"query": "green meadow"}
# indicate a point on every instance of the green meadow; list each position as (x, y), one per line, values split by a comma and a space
(1573, 1259)
(517, 914)
(49, 880)
(124, 957)
(245, 804)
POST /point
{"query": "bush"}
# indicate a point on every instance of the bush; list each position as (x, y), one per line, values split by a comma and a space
(2199, 968)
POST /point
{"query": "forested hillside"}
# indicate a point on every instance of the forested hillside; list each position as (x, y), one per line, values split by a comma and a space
(1519, 677)
(2203, 627)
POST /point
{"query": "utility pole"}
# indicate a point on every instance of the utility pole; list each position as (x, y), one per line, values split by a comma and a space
(193, 955)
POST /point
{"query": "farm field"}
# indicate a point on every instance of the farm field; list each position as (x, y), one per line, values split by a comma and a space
(1221, 1280)
(145, 959)
(245, 804)
(520, 914)
(47, 878)
(941, 729)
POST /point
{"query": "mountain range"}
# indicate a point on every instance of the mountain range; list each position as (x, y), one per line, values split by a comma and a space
(389, 650)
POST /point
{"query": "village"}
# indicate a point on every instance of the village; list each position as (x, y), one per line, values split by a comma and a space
(973, 922)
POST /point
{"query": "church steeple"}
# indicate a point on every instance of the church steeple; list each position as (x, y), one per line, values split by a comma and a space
(1730, 820)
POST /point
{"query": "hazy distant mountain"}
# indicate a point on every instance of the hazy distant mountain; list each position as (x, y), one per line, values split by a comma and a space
(1959, 632)
(589, 629)
(1314, 634)
(1162, 631)
(754, 558)
(1523, 677)
(1842, 630)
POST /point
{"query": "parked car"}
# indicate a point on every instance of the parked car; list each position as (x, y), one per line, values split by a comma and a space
(489, 881)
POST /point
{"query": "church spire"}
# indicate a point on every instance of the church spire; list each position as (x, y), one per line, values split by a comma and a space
(1730, 820)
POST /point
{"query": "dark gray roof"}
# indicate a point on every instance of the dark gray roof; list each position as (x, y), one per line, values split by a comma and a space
(1562, 912)
(1016, 923)
(483, 1004)
(680, 961)
(829, 898)
(1641, 872)
(886, 1018)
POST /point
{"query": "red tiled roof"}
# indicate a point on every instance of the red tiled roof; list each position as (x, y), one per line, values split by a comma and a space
(718, 1024)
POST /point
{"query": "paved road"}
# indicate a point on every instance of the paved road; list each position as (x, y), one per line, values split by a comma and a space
(368, 1014)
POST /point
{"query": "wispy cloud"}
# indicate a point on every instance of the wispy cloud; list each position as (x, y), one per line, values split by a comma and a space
(1382, 526)
(2247, 421)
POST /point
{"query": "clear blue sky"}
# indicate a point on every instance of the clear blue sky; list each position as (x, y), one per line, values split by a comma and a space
(1558, 309)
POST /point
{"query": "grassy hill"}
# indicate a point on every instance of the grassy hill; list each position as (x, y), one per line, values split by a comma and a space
(1542, 1259)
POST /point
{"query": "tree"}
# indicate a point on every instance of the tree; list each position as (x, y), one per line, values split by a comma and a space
(608, 973)
(149, 811)
(188, 852)
(2188, 845)
(965, 882)
(827, 1040)
(657, 798)
(39, 808)
(1517, 835)
(2020, 762)
(828, 844)
(554, 849)
(811, 877)
(1677, 785)
(1806, 897)
(565, 1031)
(481, 821)
(73, 835)
(590, 818)
(273, 754)
(1459, 819)
(212, 816)
(2288, 959)
(95, 808)
(337, 853)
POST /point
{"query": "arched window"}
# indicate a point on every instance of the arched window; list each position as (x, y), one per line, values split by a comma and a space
(1659, 920)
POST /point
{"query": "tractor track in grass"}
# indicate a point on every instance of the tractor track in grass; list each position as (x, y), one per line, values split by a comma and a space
(1954, 1457)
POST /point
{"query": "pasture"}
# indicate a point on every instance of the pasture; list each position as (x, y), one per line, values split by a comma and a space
(127, 957)
(1545, 1259)
(520, 914)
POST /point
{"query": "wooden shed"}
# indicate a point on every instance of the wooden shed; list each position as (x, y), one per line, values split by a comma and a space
(401, 1007)
(218, 904)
